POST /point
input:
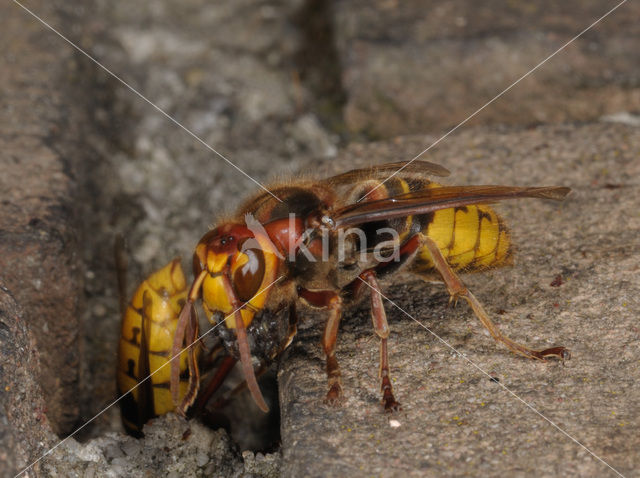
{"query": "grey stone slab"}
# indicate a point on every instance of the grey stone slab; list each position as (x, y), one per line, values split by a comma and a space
(455, 420)
(419, 66)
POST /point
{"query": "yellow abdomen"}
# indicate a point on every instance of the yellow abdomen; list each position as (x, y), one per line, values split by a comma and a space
(471, 238)
(146, 340)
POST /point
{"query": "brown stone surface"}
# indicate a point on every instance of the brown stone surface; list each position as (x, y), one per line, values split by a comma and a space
(416, 66)
(455, 421)
(24, 429)
(38, 236)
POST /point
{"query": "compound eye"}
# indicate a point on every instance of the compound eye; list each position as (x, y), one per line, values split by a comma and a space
(248, 277)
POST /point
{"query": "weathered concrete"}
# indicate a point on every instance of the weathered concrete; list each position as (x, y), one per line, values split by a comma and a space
(416, 66)
(39, 158)
(455, 421)
(24, 430)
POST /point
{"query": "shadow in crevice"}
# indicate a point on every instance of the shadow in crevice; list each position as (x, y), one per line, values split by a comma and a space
(318, 64)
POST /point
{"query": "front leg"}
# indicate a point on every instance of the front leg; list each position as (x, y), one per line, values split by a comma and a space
(332, 301)
(187, 324)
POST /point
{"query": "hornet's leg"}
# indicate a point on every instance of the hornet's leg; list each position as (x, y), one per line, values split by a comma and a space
(186, 329)
(221, 373)
(293, 325)
(329, 337)
(380, 325)
(194, 373)
(457, 289)
(333, 302)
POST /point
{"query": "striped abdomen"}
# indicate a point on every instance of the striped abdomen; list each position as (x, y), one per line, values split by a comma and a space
(471, 238)
(146, 338)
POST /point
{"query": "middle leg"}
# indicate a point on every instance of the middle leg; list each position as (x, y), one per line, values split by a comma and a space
(381, 327)
(333, 302)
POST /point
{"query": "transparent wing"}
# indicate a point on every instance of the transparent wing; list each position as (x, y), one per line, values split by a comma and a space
(428, 200)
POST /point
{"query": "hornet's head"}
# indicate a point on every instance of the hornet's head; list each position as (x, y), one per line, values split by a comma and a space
(239, 263)
(234, 265)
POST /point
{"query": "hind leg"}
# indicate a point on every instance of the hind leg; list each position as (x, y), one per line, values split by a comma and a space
(457, 290)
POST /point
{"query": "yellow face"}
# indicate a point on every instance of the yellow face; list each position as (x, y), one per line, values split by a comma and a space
(235, 276)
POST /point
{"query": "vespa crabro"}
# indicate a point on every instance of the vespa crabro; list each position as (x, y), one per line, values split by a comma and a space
(148, 325)
(318, 243)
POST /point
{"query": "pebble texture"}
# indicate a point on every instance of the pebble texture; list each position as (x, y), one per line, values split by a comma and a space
(171, 448)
